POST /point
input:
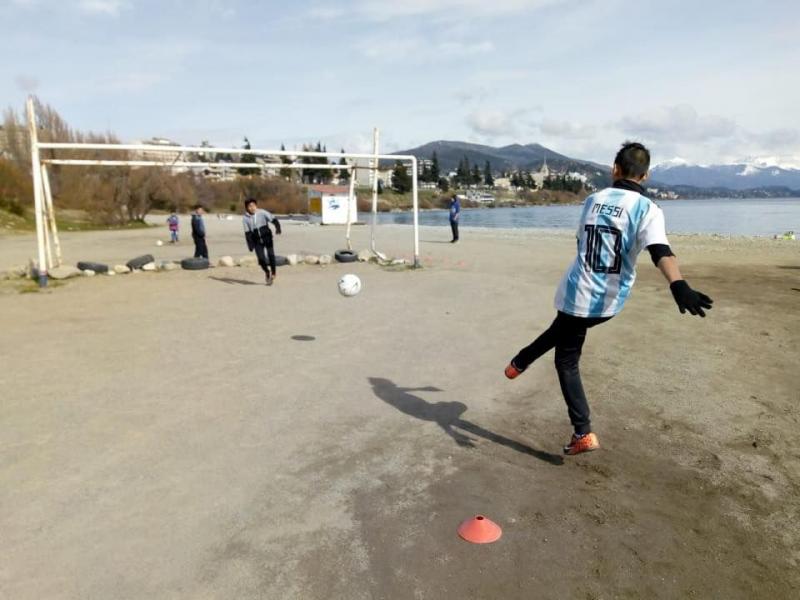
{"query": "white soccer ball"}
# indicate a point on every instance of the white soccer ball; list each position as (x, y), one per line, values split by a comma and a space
(349, 285)
(159, 243)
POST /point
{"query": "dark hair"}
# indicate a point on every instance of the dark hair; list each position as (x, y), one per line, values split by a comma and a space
(633, 160)
(196, 206)
(249, 201)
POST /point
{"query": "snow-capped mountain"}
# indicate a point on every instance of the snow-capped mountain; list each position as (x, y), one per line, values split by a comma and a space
(782, 162)
(757, 172)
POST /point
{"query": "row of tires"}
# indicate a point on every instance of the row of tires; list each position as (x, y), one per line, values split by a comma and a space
(196, 264)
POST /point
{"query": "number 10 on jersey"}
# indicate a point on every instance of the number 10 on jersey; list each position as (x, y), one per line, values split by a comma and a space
(598, 239)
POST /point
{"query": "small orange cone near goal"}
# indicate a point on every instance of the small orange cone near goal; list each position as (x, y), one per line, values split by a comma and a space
(480, 530)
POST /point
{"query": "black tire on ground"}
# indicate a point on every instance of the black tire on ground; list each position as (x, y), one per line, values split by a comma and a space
(194, 264)
(281, 261)
(345, 256)
(139, 261)
(86, 265)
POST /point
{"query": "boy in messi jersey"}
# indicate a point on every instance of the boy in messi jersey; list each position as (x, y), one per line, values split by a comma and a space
(616, 224)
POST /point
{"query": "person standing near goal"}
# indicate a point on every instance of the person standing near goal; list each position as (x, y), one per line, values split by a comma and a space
(259, 236)
(616, 224)
(199, 232)
(455, 213)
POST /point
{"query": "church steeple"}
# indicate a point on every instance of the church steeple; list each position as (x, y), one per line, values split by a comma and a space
(544, 170)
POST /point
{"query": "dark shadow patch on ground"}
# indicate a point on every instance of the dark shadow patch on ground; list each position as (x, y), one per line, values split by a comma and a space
(231, 281)
(447, 415)
(303, 338)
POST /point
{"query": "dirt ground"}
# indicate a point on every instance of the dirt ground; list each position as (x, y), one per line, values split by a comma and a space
(199, 435)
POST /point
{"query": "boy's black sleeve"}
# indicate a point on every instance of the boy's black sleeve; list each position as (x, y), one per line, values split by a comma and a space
(659, 251)
(248, 235)
(277, 225)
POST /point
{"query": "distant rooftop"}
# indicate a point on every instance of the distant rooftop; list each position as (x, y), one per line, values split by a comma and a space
(330, 189)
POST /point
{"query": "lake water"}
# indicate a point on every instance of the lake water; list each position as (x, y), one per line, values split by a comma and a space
(723, 216)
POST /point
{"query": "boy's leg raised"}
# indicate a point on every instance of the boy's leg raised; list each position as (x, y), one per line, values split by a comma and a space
(544, 343)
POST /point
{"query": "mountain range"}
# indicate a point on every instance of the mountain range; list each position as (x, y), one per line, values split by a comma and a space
(529, 157)
(759, 176)
(740, 176)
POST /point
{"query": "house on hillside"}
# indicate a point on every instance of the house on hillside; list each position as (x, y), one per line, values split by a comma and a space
(502, 183)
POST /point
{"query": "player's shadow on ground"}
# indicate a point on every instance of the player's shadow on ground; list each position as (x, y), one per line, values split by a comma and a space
(231, 281)
(447, 415)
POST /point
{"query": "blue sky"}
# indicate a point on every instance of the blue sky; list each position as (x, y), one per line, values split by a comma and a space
(709, 81)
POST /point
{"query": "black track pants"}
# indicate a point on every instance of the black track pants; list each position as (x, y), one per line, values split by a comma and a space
(266, 255)
(566, 335)
(200, 248)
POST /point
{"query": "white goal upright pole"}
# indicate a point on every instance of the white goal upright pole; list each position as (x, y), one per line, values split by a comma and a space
(350, 197)
(36, 173)
(415, 201)
(375, 161)
(51, 215)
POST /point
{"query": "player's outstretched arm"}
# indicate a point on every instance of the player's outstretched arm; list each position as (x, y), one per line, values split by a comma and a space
(685, 297)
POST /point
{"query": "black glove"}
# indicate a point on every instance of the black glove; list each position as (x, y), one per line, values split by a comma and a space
(689, 299)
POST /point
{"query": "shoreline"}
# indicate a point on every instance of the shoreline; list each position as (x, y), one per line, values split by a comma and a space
(119, 245)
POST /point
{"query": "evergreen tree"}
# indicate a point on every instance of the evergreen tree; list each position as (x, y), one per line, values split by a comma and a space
(306, 175)
(443, 184)
(344, 174)
(435, 171)
(487, 175)
(401, 180)
(249, 159)
(463, 176)
(285, 173)
(426, 174)
(529, 182)
(475, 175)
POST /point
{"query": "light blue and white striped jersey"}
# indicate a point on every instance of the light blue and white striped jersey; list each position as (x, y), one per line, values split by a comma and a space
(616, 224)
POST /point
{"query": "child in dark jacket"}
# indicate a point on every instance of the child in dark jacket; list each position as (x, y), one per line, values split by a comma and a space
(259, 236)
(199, 233)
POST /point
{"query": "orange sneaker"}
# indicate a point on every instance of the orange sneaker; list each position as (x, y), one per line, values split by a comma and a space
(583, 443)
(512, 372)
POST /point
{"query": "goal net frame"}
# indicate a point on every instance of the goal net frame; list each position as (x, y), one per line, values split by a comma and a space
(47, 240)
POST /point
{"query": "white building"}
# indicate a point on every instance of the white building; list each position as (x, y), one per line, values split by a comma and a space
(502, 183)
(540, 175)
(422, 164)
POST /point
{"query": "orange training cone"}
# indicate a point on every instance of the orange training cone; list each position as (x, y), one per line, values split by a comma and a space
(480, 530)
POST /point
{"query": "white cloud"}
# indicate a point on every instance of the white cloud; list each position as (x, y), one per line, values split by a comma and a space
(567, 129)
(26, 83)
(493, 123)
(134, 81)
(379, 10)
(111, 8)
(777, 139)
(325, 13)
(679, 123)
(420, 49)
(706, 139)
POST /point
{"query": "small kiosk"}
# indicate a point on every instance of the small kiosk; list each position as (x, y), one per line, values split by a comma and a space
(327, 204)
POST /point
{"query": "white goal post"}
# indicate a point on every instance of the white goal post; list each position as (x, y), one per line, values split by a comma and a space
(47, 232)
